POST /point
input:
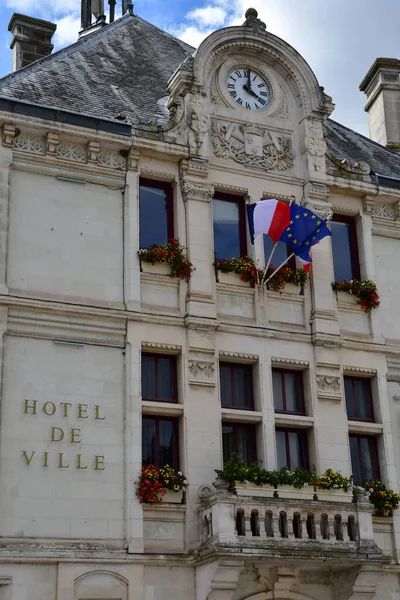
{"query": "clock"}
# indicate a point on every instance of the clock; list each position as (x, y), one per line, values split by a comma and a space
(248, 88)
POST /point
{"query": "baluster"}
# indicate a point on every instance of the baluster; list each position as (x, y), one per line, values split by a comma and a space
(331, 525)
(275, 526)
(247, 525)
(303, 528)
(318, 534)
(289, 522)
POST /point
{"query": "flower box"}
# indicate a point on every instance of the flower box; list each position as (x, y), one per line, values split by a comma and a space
(335, 495)
(346, 298)
(231, 279)
(172, 497)
(290, 492)
(156, 268)
(251, 489)
(291, 288)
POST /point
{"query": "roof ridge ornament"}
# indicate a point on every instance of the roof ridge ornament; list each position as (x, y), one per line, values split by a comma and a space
(253, 22)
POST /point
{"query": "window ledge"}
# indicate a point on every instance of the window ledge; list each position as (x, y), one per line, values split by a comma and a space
(164, 409)
(363, 427)
(241, 416)
(298, 421)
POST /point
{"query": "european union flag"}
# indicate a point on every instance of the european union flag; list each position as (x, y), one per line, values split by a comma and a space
(304, 230)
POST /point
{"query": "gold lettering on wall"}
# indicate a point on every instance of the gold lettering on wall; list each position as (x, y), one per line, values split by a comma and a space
(60, 461)
(57, 434)
(52, 408)
(75, 436)
(78, 465)
(97, 409)
(65, 406)
(28, 459)
(99, 463)
(82, 411)
(28, 407)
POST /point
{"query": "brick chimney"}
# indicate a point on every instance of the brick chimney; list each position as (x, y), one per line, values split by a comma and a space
(382, 88)
(31, 39)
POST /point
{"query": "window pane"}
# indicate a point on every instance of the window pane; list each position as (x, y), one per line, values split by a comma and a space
(282, 459)
(225, 383)
(166, 372)
(369, 459)
(153, 217)
(362, 390)
(341, 250)
(246, 443)
(280, 254)
(149, 442)
(277, 390)
(292, 392)
(148, 377)
(166, 443)
(227, 441)
(296, 450)
(226, 229)
(241, 384)
(348, 390)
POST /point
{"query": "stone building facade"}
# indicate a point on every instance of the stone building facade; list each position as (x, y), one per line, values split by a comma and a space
(92, 137)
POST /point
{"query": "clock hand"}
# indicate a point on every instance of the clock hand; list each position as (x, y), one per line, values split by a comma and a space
(248, 79)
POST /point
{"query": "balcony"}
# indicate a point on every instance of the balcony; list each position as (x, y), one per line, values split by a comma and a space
(328, 528)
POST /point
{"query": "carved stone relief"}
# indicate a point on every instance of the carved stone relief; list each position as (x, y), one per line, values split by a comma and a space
(198, 121)
(325, 212)
(251, 145)
(111, 160)
(326, 383)
(197, 191)
(201, 373)
(385, 211)
(30, 143)
(315, 144)
(70, 151)
(283, 112)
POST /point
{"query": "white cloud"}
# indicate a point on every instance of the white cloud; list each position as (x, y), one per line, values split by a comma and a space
(67, 31)
(209, 15)
(192, 35)
(45, 8)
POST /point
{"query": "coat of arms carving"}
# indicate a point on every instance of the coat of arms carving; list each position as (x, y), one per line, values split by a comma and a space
(251, 145)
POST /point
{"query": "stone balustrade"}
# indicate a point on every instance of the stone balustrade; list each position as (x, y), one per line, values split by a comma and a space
(269, 524)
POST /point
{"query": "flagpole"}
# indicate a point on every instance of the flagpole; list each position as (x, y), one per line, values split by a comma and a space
(280, 266)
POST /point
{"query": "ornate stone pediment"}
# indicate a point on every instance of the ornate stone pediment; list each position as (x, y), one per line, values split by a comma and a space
(251, 145)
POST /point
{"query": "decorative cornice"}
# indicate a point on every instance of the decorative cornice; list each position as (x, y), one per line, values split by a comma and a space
(9, 134)
(290, 362)
(359, 371)
(323, 211)
(393, 373)
(238, 356)
(231, 188)
(282, 197)
(157, 175)
(345, 210)
(161, 348)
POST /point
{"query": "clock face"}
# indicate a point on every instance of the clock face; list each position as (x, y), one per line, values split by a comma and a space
(248, 88)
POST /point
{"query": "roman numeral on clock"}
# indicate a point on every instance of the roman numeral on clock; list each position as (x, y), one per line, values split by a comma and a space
(233, 94)
(264, 94)
(231, 86)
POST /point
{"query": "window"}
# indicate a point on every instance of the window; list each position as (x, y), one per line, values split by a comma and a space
(364, 458)
(282, 251)
(236, 382)
(291, 448)
(358, 399)
(156, 218)
(229, 226)
(159, 381)
(288, 391)
(239, 439)
(160, 444)
(344, 248)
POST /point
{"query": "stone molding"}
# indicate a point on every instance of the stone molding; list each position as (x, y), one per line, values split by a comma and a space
(393, 373)
(359, 371)
(282, 197)
(59, 327)
(157, 175)
(161, 348)
(345, 210)
(231, 188)
(290, 363)
(52, 145)
(238, 357)
(325, 212)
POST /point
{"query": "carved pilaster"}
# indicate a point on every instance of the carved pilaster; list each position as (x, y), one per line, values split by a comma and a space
(133, 159)
(368, 204)
(315, 145)
(193, 190)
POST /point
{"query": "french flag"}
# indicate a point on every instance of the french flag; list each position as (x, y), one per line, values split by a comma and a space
(268, 216)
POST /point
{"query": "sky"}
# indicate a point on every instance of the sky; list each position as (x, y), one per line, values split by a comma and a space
(339, 40)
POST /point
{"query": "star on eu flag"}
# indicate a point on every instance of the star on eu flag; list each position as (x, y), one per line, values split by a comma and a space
(305, 229)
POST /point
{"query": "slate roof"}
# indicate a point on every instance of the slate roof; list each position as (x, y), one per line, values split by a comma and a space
(345, 143)
(123, 69)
